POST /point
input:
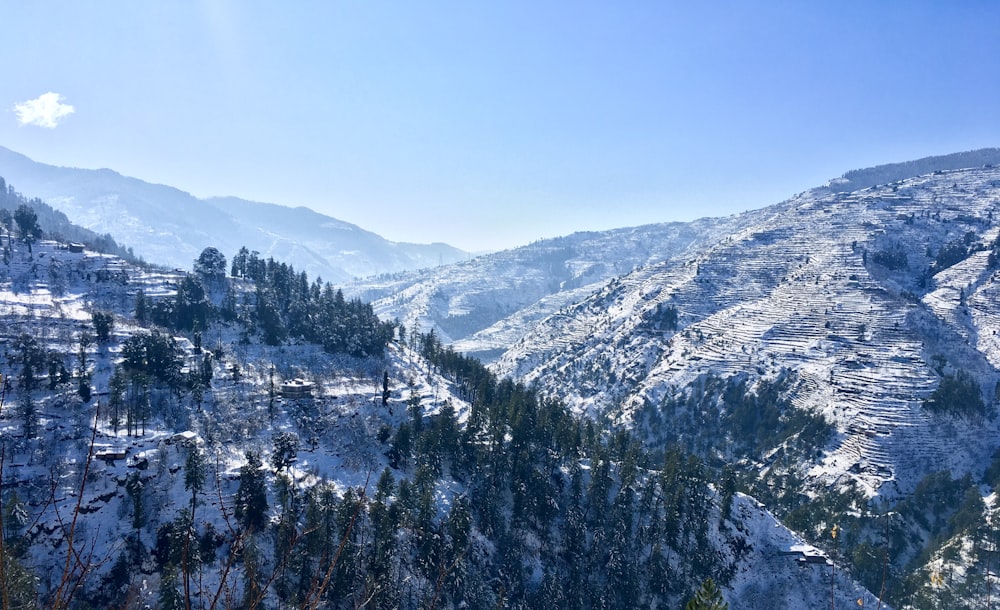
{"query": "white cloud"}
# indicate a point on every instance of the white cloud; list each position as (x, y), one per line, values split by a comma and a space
(46, 110)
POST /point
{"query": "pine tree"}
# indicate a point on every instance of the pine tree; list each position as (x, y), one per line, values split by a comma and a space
(708, 597)
(384, 523)
(83, 374)
(20, 586)
(140, 306)
(251, 496)
(195, 469)
(27, 224)
(134, 487)
(169, 598)
(211, 264)
(286, 446)
(6, 220)
(104, 323)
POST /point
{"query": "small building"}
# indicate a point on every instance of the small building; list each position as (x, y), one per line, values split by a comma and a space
(76, 248)
(297, 388)
(186, 439)
(806, 554)
(110, 455)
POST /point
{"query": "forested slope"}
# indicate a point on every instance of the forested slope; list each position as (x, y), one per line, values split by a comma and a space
(244, 436)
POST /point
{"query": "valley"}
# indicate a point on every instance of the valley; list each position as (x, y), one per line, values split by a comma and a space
(719, 395)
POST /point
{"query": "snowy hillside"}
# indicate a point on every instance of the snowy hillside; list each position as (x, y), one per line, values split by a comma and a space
(482, 306)
(170, 227)
(76, 476)
(831, 360)
(838, 353)
(835, 287)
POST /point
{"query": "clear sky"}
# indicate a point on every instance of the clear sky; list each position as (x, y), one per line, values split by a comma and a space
(492, 124)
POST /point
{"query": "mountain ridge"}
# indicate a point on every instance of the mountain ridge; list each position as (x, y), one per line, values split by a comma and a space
(168, 226)
(456, 303)
(891, 172)
(802, 290)
(482, 304)
(802, 351)
(837, 352)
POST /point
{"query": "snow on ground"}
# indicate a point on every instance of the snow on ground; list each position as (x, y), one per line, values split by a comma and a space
(50, 295)
(784, 566)
(338, 428)
(797, 286)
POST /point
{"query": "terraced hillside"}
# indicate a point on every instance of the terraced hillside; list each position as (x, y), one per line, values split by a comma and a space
(862, 302)
(484, 305)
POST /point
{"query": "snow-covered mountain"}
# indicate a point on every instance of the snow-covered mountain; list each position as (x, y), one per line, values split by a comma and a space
(866, 300)
(482, 306)
(841, 288)
(802, 352)
(170, 227)
(839, 351)
(128, 494)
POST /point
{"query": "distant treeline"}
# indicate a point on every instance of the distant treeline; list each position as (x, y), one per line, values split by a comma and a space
(286, 305)
(274, 302)
(891, 172)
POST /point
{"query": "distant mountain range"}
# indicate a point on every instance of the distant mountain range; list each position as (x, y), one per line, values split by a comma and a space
(167, 226)
(484, 305)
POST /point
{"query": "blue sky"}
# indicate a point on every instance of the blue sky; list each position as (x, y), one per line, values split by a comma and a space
(492, 124)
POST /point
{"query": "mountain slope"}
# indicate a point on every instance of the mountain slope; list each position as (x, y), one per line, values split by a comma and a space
(843, 290)
(500, 503)
(300, 234)
(837, 357)
(483, 305)
(171, 227)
